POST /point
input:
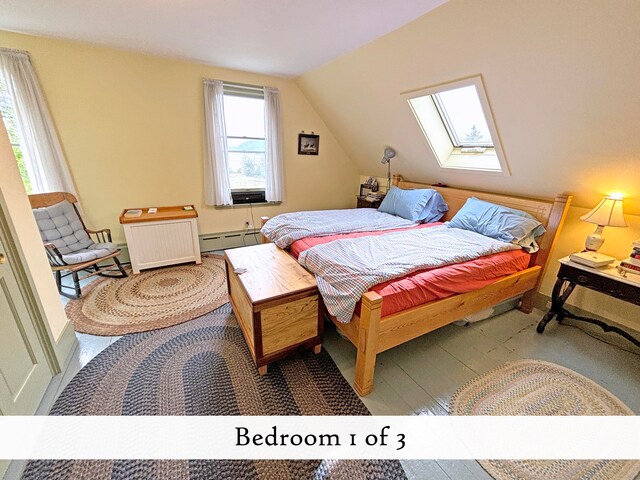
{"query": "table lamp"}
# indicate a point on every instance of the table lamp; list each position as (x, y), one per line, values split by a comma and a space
(607, 213)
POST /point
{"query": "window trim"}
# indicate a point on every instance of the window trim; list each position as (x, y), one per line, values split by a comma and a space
(449, 156)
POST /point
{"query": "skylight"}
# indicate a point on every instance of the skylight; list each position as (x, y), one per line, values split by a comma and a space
(457, 123)
(461, 112)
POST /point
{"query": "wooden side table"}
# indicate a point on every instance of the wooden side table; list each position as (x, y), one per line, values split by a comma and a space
(167, 237)
(362, 202)
(604, 280)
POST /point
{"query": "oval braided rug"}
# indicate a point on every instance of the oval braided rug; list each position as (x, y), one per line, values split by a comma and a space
(533, 387)
(204, 367)
(153, 299)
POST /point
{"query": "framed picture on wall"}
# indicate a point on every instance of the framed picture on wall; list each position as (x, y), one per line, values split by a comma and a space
(308, 144)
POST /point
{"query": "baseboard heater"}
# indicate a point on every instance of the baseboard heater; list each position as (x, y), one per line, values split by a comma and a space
(220, 241)
(215, 241)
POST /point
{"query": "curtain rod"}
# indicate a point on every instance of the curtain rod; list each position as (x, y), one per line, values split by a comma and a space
(13, 50)
(236, 84)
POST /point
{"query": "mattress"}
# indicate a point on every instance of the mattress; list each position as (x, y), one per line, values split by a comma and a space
(434, 284)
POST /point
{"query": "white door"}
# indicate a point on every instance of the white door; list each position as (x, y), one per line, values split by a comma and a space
(24, 372)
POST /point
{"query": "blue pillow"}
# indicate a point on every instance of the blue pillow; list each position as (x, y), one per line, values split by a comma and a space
(502, 223)
(435, 208)
(414, 205)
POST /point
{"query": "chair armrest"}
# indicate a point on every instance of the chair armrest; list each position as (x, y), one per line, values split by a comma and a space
(54, 255)
(101, 235)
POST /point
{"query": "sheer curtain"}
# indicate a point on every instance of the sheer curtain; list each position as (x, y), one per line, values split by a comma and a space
(41, 150)
(274, 187)
(217, 190)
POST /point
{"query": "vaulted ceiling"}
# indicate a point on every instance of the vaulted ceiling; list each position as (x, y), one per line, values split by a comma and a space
(281, 37)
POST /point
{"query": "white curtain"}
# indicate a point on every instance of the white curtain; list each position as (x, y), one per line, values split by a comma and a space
(274, 188)
(217, 190)
(41, 150)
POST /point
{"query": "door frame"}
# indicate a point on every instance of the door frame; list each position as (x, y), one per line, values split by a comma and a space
(27, 292)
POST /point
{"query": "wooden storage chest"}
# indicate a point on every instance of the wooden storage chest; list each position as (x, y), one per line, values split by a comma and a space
(275, 300)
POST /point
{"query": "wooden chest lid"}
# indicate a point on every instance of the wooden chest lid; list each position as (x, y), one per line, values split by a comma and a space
(271, 273)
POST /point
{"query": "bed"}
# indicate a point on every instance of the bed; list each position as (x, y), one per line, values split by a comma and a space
(375, 328)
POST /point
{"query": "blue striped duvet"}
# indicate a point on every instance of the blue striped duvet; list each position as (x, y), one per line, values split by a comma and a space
(346, 269)
(286, 228)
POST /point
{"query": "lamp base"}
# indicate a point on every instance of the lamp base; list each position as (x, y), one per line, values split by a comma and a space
(594, 240)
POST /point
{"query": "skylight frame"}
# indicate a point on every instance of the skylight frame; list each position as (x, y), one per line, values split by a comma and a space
(477, 158)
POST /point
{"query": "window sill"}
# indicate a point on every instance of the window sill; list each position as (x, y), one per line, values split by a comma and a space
(247, 205)
(485, 162)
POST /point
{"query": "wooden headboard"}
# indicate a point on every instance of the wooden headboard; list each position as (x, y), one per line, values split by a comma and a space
(551, 213)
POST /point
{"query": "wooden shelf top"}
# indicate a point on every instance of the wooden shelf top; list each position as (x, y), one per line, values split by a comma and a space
(164, 213)
(271, 273)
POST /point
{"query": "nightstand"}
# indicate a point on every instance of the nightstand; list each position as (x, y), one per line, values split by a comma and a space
(605, 280)
(362, 202)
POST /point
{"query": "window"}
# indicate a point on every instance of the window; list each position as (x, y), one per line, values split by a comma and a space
(244, 121)
(243, 161)
(8, 116)
(462, 115)
(457, 123)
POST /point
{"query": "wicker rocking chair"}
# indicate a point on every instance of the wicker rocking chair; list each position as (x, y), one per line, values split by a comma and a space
(68, 242)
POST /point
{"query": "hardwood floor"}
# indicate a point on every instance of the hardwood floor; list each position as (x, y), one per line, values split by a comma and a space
(419, 377)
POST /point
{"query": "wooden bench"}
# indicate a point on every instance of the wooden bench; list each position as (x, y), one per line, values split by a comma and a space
(276, 302)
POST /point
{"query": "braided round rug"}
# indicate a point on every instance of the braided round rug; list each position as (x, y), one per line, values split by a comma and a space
(153, 299)
(533, 387)
(204, 367)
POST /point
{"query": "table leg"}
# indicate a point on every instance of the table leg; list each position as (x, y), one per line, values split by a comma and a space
(561, 291)
(605, 327)
(546, 319)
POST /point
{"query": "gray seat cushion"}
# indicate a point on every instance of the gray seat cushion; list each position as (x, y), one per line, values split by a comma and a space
(95, 251)
(59, 224)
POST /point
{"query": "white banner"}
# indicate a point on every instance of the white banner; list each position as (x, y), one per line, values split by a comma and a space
(411, 437)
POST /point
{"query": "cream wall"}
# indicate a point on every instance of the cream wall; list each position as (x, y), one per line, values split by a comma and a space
(562, 80)
(131, 126)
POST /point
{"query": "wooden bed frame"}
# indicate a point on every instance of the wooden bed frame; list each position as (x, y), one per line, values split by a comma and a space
(372, 333)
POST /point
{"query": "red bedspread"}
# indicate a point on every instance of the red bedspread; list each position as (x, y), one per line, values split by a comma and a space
(433, 284)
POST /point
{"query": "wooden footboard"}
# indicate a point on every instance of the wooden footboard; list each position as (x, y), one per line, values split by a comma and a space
(370, 338)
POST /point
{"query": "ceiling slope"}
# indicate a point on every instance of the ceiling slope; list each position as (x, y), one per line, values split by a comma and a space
(558, 75)
(277, 37)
